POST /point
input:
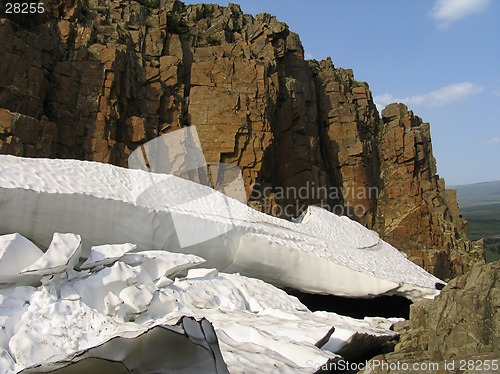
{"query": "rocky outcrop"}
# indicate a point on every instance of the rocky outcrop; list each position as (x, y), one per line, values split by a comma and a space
(414, 209)
(461, 327)
(349, 124)
(94, 79)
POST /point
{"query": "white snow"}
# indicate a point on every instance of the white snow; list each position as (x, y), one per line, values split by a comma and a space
(162, 263)
(106, 254)
(16, 253)
(187, 347)
(116, 310)
(202, 273)
(320, 253)
(62, 254)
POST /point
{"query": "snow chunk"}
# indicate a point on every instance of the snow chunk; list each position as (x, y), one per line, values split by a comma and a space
(16, 253)
(246, 357)
(136, 299)
(202, 273)
(7, 364)
(94, 288)
(106, 254)
(62, 254)
(162, 263)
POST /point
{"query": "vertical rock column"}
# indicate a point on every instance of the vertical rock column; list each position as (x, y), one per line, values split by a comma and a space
(415, 212)
(348, 122)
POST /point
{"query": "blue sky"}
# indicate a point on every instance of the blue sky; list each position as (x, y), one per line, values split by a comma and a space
(440, 57)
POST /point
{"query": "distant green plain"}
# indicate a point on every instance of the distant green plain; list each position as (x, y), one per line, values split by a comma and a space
(480, 205)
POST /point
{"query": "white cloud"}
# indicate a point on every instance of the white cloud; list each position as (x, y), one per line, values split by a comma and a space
(493, 141)
(443, 96)
(448, 11)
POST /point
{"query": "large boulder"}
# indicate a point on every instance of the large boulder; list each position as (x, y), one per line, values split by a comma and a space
(460, 328)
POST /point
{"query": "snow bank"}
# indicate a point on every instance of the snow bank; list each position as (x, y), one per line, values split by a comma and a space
(122, 314)
(320, 253)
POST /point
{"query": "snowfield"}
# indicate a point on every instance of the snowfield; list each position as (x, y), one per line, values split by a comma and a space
(320, 253)
(105, 269)
(137, 312)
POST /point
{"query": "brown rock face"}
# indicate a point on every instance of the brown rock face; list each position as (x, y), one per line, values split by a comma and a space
(414, 209)
(461, 324)
(95, 79)
(349, 124)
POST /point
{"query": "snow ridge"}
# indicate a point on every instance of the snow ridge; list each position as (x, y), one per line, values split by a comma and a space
(107, 204)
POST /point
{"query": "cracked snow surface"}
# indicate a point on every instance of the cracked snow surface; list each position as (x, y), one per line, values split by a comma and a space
(67, 315)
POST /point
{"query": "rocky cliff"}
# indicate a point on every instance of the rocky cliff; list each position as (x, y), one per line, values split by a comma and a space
(94, 79)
